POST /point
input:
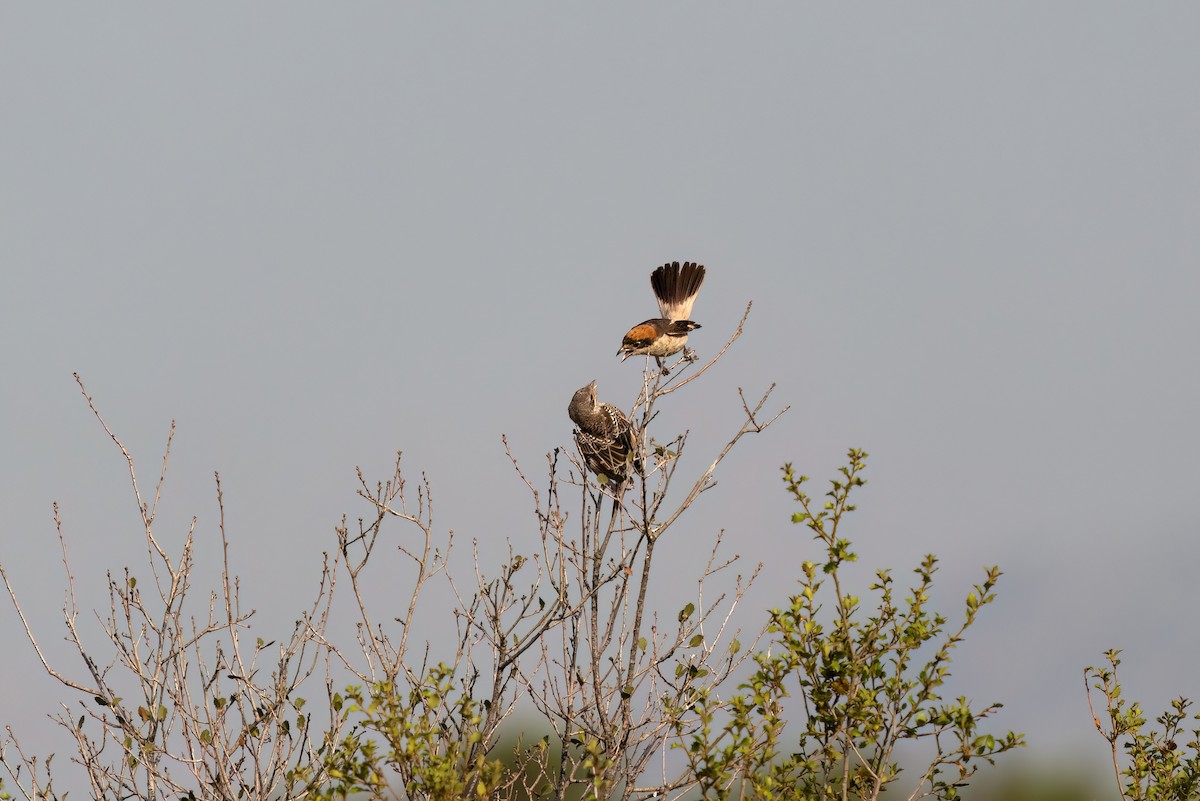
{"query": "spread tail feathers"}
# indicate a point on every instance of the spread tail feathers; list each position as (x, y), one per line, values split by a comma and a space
(676, 286)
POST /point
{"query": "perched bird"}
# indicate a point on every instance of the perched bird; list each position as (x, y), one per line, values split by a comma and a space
(675, 286)
(605, 437)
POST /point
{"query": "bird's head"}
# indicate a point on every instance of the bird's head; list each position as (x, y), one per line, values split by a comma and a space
(583, 402)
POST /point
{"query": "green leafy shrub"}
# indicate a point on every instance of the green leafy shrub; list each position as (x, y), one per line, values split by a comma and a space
(1158, 764)
(861, 686)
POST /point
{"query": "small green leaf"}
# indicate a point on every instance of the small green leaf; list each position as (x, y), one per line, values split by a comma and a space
(686, 612)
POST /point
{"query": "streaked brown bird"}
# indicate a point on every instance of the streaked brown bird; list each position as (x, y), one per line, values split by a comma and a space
(675, 286)
(605, 437)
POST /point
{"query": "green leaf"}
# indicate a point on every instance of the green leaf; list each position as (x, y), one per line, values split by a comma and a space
(686, 612)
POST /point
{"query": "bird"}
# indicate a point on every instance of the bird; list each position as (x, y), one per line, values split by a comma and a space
(675, 286)
(605, 437)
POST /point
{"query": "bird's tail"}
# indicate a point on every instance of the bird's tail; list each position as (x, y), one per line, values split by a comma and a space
(676, 286)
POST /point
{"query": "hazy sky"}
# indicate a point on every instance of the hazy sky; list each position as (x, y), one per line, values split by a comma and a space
(316, 234)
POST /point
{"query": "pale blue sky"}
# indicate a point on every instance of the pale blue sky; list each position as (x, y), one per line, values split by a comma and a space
(316, 234)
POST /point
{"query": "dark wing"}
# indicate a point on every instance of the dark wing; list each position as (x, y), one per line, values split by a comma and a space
(603, 456)
(610, 446)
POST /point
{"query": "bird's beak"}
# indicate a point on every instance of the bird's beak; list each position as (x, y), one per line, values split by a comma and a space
(623, 351)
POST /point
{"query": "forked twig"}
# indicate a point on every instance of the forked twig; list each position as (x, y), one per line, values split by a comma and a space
(669, 386)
